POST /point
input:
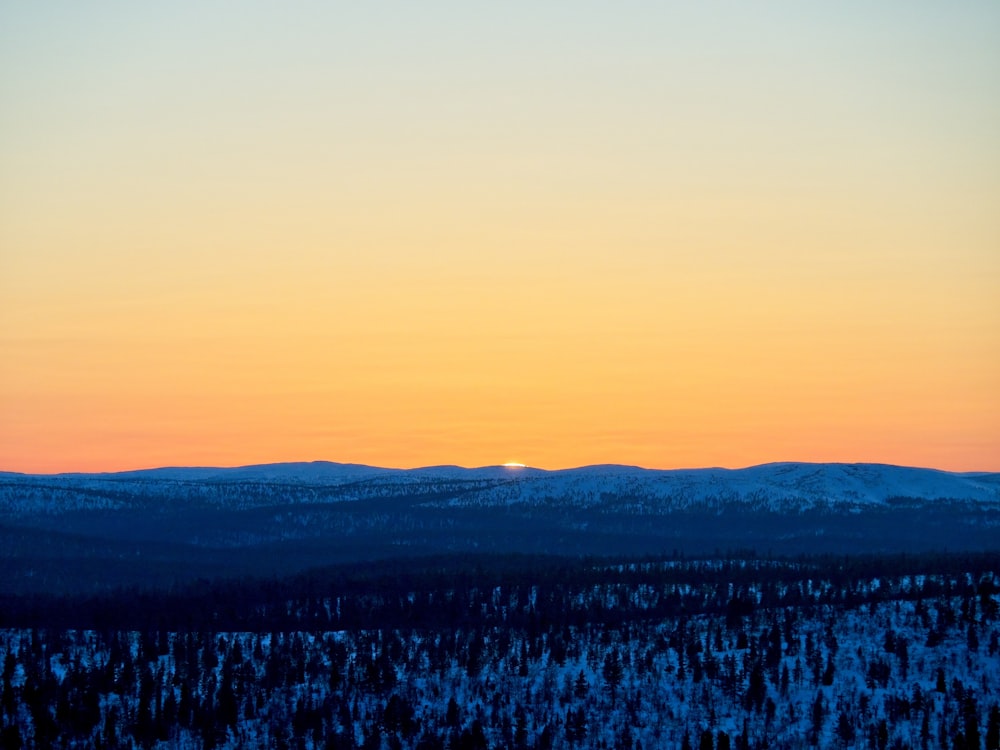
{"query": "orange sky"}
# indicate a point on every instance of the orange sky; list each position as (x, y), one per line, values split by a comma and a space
(432, 236)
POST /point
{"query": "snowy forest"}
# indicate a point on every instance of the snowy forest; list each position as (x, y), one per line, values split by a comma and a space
(521, 652)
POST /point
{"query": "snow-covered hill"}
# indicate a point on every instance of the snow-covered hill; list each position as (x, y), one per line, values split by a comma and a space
(162, 526)
(779, 487)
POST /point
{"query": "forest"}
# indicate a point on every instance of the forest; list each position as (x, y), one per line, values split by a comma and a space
(509, 651)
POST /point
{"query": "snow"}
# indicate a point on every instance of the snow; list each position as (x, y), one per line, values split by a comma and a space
(779, 487)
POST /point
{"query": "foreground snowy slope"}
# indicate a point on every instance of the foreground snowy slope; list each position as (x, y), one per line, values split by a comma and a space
(899, 652)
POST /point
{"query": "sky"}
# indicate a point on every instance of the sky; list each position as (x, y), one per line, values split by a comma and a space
(406, 234)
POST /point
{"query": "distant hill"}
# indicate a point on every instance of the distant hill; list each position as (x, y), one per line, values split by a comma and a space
(831, 483)
(157, 527)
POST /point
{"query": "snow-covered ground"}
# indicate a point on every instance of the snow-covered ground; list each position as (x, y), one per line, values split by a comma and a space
(897, 671)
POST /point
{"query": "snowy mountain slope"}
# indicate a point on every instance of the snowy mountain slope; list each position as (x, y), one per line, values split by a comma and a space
(775, 487)
(85, 532)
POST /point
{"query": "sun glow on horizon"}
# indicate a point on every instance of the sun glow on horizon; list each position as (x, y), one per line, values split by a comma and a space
(514, 465)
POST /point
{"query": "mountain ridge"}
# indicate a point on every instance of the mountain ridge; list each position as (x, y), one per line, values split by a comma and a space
(88, 531)
(784, 487)
(315, 466)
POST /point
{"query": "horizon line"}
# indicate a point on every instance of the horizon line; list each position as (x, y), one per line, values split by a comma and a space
(509, 465)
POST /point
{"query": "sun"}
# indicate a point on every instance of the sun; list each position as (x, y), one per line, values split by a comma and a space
(514, 465)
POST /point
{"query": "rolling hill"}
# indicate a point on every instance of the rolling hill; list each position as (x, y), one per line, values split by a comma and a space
(160, 527)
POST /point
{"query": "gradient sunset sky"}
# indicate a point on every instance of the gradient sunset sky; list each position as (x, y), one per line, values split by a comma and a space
(664, 234)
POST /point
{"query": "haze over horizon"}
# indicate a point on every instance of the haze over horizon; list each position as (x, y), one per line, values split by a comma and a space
(657, 235)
